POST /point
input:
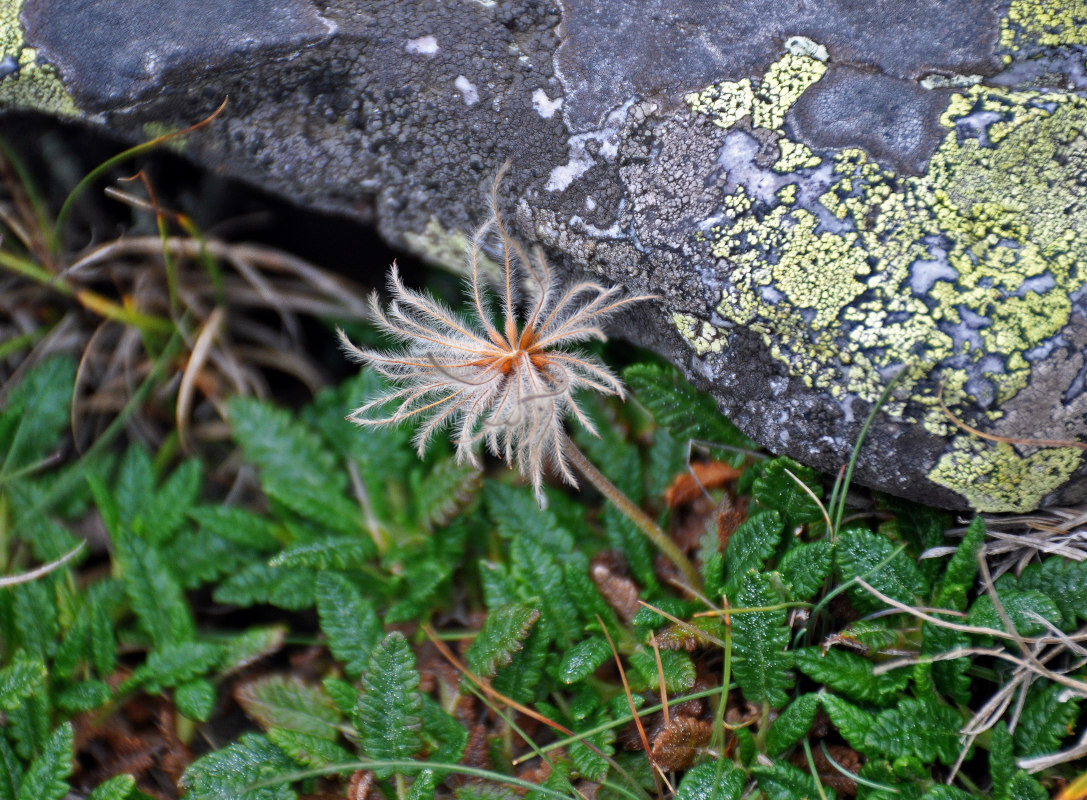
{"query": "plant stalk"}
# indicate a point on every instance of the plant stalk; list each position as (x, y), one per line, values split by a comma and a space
(632, 512)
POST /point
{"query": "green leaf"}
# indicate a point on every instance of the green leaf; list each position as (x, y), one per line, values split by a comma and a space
(713, 780)
(862, 554)
(195, 700)
(1001, 759)
(1064, 582)
(792, 724)
(1047, 719)
(39, 405)
(174, 664)
(502, 636)
(583, 659)
(1022, 609)
(336, 552)
(961, 570)
(776, 489)
(1024, 787)
(47, 776)
(517, 515)
(675, 404)
(119, 787)
(944, 792)
(19, 680)
(852, 723)
(806, 567)
(11, 771)
(285, 701)
(166, 510)
(389, 714)
(348, 620)
(445, 736)
(785, 782)
(342, 694)
(83, 696)
(237, 525)
(924, 729)
(760, 663)
(851, 675)
(153, 592)
(752, 543)
(447, 488)
(200, 557)
(539, 581)
(521, 679)
(34, 609)
(288, 588)
(679, 670)
(250, 646)
(232, 773)
(314, 752)
(424, 579)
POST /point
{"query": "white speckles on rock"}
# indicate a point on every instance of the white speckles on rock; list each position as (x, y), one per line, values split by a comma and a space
(803, 46)
(607, 146)
(467, 90)
(423, 46)
(590, 204)
(544, 105)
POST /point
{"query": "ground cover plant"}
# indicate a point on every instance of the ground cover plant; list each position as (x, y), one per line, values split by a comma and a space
(207, 592)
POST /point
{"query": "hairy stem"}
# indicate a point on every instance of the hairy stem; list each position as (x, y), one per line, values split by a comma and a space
(632, 512)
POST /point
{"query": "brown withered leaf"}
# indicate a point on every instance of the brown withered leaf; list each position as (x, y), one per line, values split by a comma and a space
(703, 475)
(362, 783)
(678, 742)
(620, 591)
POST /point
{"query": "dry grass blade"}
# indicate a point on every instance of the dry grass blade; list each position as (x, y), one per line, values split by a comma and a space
(44, 569)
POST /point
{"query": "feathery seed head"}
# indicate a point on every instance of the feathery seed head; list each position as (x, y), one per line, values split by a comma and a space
(510, 385)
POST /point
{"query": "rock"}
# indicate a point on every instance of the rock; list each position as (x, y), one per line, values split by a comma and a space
(828, 196)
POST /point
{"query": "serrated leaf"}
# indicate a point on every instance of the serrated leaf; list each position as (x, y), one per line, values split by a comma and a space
(195, 700)
(250, 646)
(1023, 786)
(337, 552)
(447, 488)
(285, 701)
(539, 582)
(237, 525)
(851, 675)
(752, 543)
(1046, 720)
(852, 723)
(47, 776)
(950, 676)
(862, 554)
(348, 620)
(503, 634)
(962, 569)
(165, 511)
(389, 714)
(119, 787)
(785, 782)
(445, 736)
(776, 489)
(806, 567)
(792, 724)
(1064, 582)
(1022, 609)
(713, 780)
(517, 515)
(309, 751)
(944, 792)
(11, 771)
(286, 587)
(19, 680)
(927, 730)
(233, 772)
(174, 664)
(39, 406)
(34, 611)
(424, 579)
(28, 727)
(583, 659)
(200, 557)
(760, 663)
(1001, 759)
(521, 679)
(342, 694)
(153, 592)
(675, 404)
(83, 696)
(483, 791)
(679, 671)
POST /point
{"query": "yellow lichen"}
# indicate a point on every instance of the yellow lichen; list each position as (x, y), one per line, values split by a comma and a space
(1050, 23)
(34, 85)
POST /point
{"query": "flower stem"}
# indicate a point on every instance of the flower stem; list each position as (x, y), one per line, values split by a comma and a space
(632, 512)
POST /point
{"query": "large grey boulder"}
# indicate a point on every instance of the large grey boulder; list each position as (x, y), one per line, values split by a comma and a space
(823, 193)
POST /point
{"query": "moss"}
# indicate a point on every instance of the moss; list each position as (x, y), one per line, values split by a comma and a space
(961, 270)
(34, 85)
